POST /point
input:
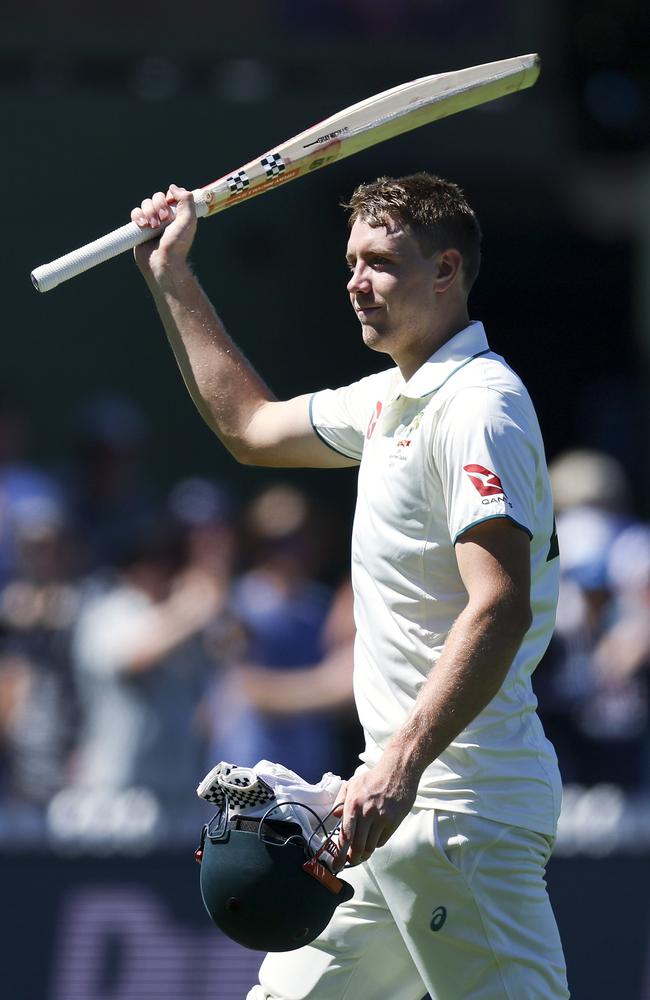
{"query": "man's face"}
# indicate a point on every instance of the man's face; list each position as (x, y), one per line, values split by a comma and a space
(392, 287)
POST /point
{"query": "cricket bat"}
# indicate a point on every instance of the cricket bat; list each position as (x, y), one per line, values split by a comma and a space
(358, 127)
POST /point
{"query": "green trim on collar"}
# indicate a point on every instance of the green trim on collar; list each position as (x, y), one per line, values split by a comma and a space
(461, 365)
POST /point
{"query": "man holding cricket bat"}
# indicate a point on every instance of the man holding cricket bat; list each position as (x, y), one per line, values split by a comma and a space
(451, 817)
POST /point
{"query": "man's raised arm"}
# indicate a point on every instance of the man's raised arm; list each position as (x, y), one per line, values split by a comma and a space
(231, 397)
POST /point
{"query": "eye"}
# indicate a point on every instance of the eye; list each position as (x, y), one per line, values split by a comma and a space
(379, 262)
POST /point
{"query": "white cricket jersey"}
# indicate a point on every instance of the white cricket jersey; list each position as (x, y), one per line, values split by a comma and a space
(457, 443)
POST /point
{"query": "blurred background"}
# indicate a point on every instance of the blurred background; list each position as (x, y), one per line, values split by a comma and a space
(162, 608)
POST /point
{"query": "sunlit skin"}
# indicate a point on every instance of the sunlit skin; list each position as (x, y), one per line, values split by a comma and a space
(408, 304)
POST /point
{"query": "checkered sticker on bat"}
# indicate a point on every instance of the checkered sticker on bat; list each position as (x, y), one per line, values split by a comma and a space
(273, 164)
(238, 181)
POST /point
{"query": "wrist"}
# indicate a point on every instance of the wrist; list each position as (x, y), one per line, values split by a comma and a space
(403, 756)
(169, 270)
(169, 275)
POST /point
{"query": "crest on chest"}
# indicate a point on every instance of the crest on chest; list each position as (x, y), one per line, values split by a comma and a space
(403, 439)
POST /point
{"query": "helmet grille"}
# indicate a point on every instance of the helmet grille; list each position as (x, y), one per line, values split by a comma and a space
(273, 830)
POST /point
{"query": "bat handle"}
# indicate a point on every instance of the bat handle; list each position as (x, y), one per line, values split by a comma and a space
(48, 276)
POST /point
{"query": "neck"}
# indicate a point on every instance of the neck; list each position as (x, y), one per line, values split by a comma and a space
(418, 351)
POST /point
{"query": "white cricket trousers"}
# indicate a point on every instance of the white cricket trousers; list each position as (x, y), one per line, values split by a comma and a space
(453, 905)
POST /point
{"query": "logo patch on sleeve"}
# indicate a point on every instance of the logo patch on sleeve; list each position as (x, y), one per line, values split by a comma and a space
(484, 480)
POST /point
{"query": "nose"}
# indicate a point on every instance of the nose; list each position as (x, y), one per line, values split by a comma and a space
(359, 279)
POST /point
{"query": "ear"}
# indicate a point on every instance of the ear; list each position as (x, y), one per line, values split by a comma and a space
(450, 270)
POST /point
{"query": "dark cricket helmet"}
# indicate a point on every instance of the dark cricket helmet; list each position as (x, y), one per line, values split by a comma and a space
(263, 885)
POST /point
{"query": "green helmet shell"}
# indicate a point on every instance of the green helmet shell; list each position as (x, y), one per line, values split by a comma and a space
(256, 890)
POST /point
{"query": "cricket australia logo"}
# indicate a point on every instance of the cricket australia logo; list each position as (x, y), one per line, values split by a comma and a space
(407, 435)
(488, 484)
(403, 439)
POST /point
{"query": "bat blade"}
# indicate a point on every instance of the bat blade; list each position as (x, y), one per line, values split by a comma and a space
(356, 128)
(367, 123)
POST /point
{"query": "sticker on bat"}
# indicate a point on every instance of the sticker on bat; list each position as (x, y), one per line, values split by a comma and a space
(273, 164)
(328, 156)
(256, 189)
(238, 181)
(326, 138)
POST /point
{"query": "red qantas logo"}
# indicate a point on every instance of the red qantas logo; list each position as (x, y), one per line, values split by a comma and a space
(486, 482)
(373, 420)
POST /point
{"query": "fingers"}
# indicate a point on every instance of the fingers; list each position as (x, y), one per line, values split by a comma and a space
(172, 216)
(347, 826)
(370, 814)
(153, 212)
(375, 836)
(364, 840)
(354, 831)
(158, 210)
(340, 799)
(358, 836)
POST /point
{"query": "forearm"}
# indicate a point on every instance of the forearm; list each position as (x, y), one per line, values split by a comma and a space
(472, 667)
(322, 687)
(224, 387)
(160, 634)
(160, 629)
(231, 397)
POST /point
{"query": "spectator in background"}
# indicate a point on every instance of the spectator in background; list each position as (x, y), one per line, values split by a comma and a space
(15, 676)
(37, 611)
(20, 482)
(109, 498)
(627, 645)
(203, 510)
(596, 724)
(325, 686)
(142, 670)
(620, 710)
(277, 704)
(586, 479)
(204, 513)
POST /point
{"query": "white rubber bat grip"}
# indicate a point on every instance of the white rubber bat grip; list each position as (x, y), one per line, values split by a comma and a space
(48, 276)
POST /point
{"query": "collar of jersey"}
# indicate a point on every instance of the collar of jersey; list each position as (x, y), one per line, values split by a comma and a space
(454, 354)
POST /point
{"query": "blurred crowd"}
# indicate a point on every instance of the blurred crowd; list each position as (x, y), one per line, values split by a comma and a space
(593, 685)
(143, 638)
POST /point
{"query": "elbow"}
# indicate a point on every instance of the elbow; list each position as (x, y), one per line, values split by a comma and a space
(244, 454)
(240, 455)
(507, 618)
(258, 455)
(517, 617)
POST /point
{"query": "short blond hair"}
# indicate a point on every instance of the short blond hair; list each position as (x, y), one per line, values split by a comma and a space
(435, 210)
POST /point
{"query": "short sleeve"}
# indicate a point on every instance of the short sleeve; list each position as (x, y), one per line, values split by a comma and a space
(341, 417)
(485, 453)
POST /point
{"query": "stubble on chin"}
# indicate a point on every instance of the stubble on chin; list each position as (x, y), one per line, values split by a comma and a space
(374, 339)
